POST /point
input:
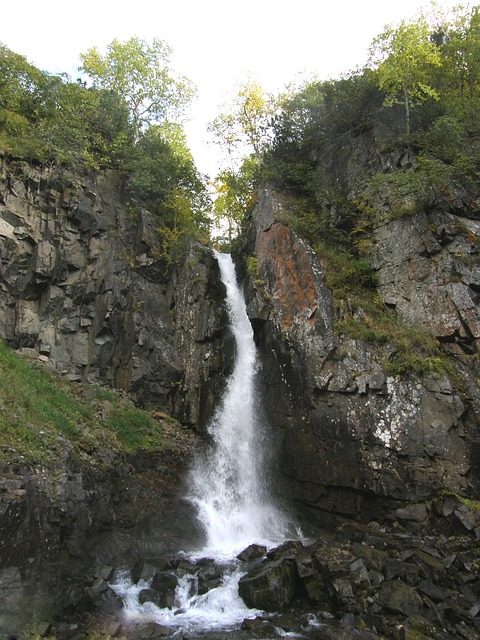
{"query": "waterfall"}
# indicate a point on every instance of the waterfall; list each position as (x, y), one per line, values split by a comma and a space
(229, 488)
(229, 485)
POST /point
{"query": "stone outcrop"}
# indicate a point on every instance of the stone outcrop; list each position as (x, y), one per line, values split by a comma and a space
(384, 581)
(85, 289)
(354, 440)
(429, 270)
(204, 345)
(85, 283)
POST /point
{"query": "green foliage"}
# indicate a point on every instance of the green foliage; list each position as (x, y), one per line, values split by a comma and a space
(314, 131)
(138, 71)
(333, 142)
(235, 197)
(363, 316)
(397, 194)
(39, 410)
(403, 57)
(458, 84)
(135, 428)
(252, 266)
(49, 119)
(164, 179)
(242, 133)
(30, 403)
(345, 273)
(246, 124)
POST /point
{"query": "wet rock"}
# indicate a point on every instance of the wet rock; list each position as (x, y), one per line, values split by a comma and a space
(465, 520)
(209, 573)
(106, 573)
(413, 513)
(270, 586)
(287, 549)
(433, 591)
(113, 629)
(69, 631)
(155, 630)
(252, 552)
(43, 629)
(253, 624)
(146, 569)
(150, 595)
(103, 597)
(164, 583)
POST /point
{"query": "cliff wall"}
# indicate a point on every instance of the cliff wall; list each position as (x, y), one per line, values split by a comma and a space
(85, 290)
(357, 441)
(85, 285)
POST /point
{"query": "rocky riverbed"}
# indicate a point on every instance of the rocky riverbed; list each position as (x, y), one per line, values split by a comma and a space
(414, 576)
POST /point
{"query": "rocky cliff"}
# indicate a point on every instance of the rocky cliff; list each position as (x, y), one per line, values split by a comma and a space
(85, 285)
(85, 290)
(356, 440)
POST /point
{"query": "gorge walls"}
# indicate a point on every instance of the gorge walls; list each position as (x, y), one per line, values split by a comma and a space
(85, 289)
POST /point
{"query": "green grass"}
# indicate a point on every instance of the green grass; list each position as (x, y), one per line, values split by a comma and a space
(40, 411)
(134, 428)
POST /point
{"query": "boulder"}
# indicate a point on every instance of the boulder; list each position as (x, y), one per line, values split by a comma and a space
(270, 586)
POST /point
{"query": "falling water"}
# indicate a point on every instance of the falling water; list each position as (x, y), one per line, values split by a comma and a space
(228, 487)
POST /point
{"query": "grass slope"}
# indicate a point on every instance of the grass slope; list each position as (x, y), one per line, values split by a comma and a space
(41, 413)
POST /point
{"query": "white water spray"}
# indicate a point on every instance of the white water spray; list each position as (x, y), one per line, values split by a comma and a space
(229, 491)
(228, 486)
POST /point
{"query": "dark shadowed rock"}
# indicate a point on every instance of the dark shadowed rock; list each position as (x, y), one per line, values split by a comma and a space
(252, 552)
(413, 513)
(433, 591)
(398, 597)
(271, 586)
(165, 583)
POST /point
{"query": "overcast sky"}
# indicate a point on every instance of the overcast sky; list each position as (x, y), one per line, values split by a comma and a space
(215, 42)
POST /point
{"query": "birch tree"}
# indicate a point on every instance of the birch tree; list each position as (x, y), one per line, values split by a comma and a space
(404, 57)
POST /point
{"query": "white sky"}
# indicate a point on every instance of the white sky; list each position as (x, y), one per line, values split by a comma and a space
(215, 43)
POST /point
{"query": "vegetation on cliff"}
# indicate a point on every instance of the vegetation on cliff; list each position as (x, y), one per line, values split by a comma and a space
(129, 119)
(399, 135)
(397, 138)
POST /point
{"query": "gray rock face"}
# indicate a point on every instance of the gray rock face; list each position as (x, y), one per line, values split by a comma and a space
(204, 344)
(429, 270)
(383, 578)
(83, 282)
(354, 440)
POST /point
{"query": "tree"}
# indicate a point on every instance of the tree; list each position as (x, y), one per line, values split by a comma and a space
(404, 57)
(139, 72)
(458, 38)
(90, 128)
(27, 96)
(234, 197)
(245, 128)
